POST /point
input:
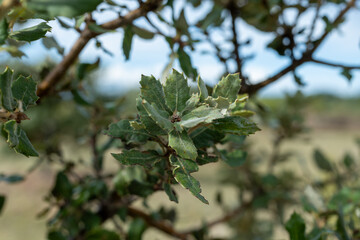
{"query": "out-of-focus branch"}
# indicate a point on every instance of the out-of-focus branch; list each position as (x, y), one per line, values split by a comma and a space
(6, 5)
(335, 64)
(59, 71)
(307, 56)
(160, 225)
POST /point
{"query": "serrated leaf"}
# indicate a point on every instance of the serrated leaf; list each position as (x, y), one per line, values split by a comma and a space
(200, 115)
(177, 91)
(219, 102)
(170, 192)
(127, 41)
(228, 87)
(7, 99)
(24, 90)
(235, 125)
(48, 9)
(148, 122)
(134, 157)
(235, 158)
(17, 139)
(125, 132)
(186, 65)
(239, 104)
(143, 33)
(2, 203)
(32, 33)
(189, 165)
(152, 91)
(136, 125)
(321, 161)
(4, 30)
(296, 227)
(182, 144)
(191, 103)
(160, 117)
(183, 177)
(202, 89)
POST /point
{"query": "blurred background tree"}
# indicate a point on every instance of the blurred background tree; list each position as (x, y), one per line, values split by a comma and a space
(276, 184)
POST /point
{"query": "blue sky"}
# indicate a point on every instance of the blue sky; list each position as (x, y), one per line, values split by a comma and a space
(150, 57)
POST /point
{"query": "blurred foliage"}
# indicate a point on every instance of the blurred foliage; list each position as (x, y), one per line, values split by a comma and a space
(171, 130)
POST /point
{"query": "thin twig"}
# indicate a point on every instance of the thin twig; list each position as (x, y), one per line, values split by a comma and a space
(335, 64)
(50, 81)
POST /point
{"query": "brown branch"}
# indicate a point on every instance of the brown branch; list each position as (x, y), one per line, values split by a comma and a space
(335, 64)
(59, 71)
(223, 219)
(307, 56)
(235, 42)
(160, 225)
(251, 89)
(337, 20)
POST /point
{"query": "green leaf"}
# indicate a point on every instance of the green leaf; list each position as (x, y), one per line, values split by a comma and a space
(143, 33)
(182, 176)
(182, 144)
(2, 203)
(228, 87)
(63, 187)
(68, 8)
(160, 117)
(127, 41)
(103, 234)
(203, 158)
(219, 102)
(204, 137)
(296, 227)
(170, 192)
(186, 65)
(235, 158)
(235, 125)
(55, 235)
(11, 178)
(202, 89)
(177, 91)
(24, 90)
(191, 103)
(17, 139)
(239, 104)
(134, 157)
(32, 33)
(347, 74)
(125, 132)
(148, 122)
(189, 165)
(50, 42)
(321, 161)
(7, 99)
(348, 161)
(243, 113)
(4, 30)
(13, 51)
(136, 229)
(152, 91)
(200, 115)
